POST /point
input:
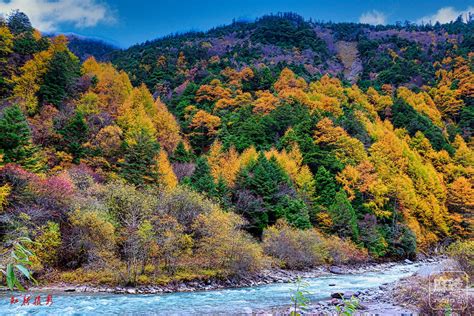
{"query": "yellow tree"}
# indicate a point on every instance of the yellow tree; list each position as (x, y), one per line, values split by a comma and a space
(346, 148)
(167, 128)
(112, 87)
(204, 123)
(167, 177)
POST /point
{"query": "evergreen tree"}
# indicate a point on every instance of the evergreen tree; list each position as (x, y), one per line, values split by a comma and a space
(75, 134)
(222, 192)
(265, 181)
(139, 164)
(15, 141)
(180, 154)
(18, 22)
(325, 187)
(202, 180)
(58, 81)
(343, 217)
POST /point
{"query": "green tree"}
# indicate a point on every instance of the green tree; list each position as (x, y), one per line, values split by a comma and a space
(18, 22)
(63, 70)
(343, 216)
(201, 180)
(15, 141)
(139, 163)
(180, 154)
(325, 187)
(75, 134)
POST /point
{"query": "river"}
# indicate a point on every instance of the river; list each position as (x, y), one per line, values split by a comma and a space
(215, 302)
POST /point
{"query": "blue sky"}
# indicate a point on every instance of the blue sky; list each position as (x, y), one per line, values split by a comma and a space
(126, 22)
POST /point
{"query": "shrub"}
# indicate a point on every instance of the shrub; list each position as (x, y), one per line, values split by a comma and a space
(222, 245)
(463, 253)
(343, 251)
(293, 248)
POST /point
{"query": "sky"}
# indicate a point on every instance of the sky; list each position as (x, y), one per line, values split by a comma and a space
(126, 22)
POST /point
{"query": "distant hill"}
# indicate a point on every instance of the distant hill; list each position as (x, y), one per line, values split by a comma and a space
(84, 47)
(359, 53)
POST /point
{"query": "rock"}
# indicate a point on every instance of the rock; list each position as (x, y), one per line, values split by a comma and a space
(408, 261)
(70, 290)
(334, 301)
(347, 295)
(337, 295)
(131, 291)
(335, 270)
(332, 284)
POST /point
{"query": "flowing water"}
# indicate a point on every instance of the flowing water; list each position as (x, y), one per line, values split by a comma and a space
(215, 302)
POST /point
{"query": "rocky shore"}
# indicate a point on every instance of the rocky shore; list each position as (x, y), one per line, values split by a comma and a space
(265, 277)
(380, 300)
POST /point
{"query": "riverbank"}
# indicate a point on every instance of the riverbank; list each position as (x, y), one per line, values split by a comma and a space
(382, 300)
(269, 276)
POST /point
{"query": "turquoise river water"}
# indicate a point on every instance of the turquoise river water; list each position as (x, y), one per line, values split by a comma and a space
(216, 302)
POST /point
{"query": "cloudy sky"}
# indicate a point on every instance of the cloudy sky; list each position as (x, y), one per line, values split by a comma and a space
(126, 22)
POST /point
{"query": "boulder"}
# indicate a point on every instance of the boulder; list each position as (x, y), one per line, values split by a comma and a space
(336, 270)
(337, 295)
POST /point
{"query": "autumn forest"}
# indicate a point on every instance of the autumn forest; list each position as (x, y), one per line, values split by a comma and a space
(281, 142)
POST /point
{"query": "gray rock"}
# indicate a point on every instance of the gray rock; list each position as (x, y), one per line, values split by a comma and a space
(336, 270)
(337, 295)
(408, 261)
(332, 284)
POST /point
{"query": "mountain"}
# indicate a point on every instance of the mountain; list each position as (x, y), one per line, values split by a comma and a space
(84, 47)
(358, 53)
(275, 143)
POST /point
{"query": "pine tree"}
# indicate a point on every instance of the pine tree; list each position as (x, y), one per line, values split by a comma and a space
(181, 154)
(15, 141)
(139, 165)
(75, 134)
(202, 180)
(63, 70)
(325, 187)
(343, 217)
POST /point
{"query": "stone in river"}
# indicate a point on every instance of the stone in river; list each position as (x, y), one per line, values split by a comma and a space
(336, 270)
(337, 295)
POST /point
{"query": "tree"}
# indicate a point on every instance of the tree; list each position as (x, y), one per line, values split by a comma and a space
(18, 22)
(139, 164)
(75, 134)
(6, 48)
(202, 180)
(167, 177)
(343, 217)
(15, 141)
(63, 70)
(325, 187)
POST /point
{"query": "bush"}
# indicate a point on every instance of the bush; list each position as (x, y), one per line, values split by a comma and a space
(343, 251)
(293, 248)
(223, 245)
(463, 253)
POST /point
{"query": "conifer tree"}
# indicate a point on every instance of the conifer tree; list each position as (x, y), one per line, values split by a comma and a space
(343, 216)
(202, 180)
(15, 141)
(63, 70)
(139, 165)
(75, 134)
(325, 187)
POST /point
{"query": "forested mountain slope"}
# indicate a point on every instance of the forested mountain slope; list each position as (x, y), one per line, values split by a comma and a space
(283, 142)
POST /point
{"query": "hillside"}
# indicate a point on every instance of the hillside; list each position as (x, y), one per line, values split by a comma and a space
(281, 142)
(359, 53)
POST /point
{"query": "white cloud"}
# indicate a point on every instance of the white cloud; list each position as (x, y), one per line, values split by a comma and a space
(446, 15)
(47, 15)
(373, 17)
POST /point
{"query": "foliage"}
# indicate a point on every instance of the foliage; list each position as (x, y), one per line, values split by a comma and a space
(299, 296)
(211, 154)
(463, 253)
